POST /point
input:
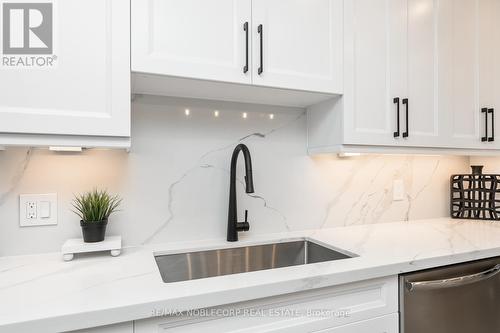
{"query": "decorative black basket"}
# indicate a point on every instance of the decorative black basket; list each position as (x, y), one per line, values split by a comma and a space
(475, 196)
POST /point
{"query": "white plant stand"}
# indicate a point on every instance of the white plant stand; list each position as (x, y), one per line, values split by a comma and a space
(77, 245)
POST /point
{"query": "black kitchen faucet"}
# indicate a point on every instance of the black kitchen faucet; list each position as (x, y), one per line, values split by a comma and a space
(233, 226)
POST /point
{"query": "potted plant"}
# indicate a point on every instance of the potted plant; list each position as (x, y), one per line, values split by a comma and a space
(94, 209)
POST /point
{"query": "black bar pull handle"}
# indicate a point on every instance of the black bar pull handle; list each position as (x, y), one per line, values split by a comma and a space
(492, 138)
(454, 281)
(260, 30)
(485, 137)
(396, 101)
(245, 28)
(406, 133)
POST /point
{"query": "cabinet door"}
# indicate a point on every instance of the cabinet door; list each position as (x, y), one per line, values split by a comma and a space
(375, 62)
(307, 311)
(87, 89)
(489, 64)
(459, 73)
(424, 118)
(192, 38)
(385, 324)
(299, 45)
(127, 327)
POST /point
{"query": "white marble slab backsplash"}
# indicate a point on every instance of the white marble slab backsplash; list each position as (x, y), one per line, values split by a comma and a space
(175, 180)
(491, 163)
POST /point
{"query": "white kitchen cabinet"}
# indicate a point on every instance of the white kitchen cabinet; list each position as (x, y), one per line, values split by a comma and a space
(489, 69)
(425, 121)
(375, 65)
(436, 60)
(458, 74)
(339, 309)
(391, 76)
(127, 327)
(192, 38)
(372, 111)
(86, 93)
(297, 44)
(385, 324)
(467, 44)
(252, 51)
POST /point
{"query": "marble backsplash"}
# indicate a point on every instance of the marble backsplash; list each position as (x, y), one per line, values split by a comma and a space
(175, 180)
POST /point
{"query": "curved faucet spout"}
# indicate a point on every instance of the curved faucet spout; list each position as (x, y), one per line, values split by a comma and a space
(233, 226)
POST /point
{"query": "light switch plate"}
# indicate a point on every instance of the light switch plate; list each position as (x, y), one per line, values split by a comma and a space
(44, 209)
(398, 190)
(37, 209)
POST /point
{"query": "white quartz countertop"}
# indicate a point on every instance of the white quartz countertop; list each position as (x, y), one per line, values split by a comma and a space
(42, 293)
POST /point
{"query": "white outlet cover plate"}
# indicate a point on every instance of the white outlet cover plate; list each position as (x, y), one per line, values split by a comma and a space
(38, 199)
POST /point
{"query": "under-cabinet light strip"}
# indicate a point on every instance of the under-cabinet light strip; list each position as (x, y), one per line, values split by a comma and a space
(68, 148)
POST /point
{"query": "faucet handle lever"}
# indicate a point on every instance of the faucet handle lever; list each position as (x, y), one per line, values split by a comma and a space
(243, 226)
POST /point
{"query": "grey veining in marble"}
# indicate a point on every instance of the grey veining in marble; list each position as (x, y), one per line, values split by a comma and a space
(16, 178)
(43, 293)
(175, 179)
(200, 164)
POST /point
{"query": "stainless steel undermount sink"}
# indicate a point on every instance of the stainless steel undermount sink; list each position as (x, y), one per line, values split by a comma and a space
(203, 264)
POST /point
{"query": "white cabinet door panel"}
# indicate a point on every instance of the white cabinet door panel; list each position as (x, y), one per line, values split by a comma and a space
(127, 327)
(306, 311)
(192, 38)
(301, 44)
(375, 63)
(424, 116)
(87, 92)
(385, 324)
(458, 71)
(462, 59)
(495, 50)
(489, 80)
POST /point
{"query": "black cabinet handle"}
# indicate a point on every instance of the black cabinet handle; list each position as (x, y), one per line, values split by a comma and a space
(260, 30)
(406, 133)
(245, 28)
(492, 138)
(396, 101)
(485, 137)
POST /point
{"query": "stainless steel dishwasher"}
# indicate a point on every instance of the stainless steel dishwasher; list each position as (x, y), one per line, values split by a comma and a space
(463, 298)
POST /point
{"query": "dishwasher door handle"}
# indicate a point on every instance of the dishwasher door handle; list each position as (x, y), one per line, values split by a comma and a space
(453, 282)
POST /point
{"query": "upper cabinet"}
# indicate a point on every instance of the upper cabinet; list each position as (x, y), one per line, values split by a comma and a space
(288, 46)
(488, 83)
(418, 74)
(375, 75)
(296, 44)
(193, 38)
(459, 73)
(422, 125)
(68, 79)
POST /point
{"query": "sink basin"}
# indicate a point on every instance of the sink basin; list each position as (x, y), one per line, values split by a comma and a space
(204, 264)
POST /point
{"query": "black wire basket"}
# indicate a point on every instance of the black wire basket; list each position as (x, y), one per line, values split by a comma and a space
(475, 196)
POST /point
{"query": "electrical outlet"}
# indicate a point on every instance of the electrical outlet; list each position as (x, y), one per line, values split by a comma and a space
(31, 210)
(37, 209)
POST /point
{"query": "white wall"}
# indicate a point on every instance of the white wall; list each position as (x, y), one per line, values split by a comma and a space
(175, 180)
(491, 164)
